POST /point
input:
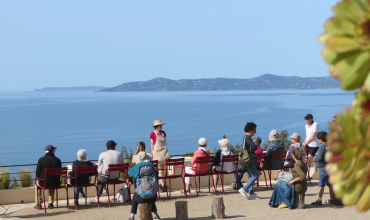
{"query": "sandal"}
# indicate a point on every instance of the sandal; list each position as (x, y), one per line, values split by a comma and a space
(329, 201)
(318, 202)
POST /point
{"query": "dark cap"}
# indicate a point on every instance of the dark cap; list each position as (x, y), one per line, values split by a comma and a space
(308, 116)
(111, 144)
(50, 148)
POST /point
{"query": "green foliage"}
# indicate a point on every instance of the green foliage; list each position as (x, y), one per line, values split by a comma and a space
(4, 179)
(124, 152)
(15, 183)
(284, 137)
(131, 154)
(25, 177)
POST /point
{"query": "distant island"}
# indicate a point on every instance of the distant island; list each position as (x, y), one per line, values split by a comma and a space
(264, 82)
(71, 89)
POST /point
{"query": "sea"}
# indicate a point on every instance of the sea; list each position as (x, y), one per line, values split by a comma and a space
(70, 121)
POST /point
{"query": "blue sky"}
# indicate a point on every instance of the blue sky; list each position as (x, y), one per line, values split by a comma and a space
(106, 43)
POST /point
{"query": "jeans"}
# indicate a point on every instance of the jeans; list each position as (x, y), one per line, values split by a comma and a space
(252, 177)
(78, 190)
(100, 187)
(240, 175)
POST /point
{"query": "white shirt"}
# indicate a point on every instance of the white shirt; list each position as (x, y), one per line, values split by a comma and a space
(309, 130)
(228, 166)
(110, 157)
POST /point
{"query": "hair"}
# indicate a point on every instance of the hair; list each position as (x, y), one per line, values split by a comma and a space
(81, 154)
(250, 126)
(140, 147)
(322, 136)
(155, 127)
(257, 140)
(299, 153)
(334, 116)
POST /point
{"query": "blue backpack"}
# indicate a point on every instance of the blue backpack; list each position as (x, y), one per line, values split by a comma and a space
(146, 186)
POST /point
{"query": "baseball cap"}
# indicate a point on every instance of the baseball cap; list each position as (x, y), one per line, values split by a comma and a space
(202, 141)
(111, 144)
(308, 116)
(50, 148)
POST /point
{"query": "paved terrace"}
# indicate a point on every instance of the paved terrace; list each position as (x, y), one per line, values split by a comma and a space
(237, 207)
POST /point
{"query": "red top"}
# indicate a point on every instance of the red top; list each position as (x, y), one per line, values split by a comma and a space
(202, 167)
(259, 151)
(154, 137)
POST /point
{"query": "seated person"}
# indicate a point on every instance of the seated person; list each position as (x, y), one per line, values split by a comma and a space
(275, 146)
(201, 168)
(140, 154)
(48, 161)
(228, 166)
(81, 178)
(144, 173)
(257, 141)
(296, 142)
(282, 194)
(111, 156)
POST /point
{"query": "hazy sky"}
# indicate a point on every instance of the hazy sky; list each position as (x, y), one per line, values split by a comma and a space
(106, 43)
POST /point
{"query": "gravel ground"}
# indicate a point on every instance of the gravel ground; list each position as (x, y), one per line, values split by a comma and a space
(236, 206)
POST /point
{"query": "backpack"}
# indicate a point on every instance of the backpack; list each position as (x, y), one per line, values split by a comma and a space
(244, 158)
(146, 187)
(122, 194)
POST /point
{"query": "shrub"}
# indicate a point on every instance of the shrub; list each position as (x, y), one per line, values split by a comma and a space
(15, 183)
(25, 177)
(4, 179)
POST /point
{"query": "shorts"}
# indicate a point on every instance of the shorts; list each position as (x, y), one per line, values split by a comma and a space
(323, 178)
(312, 150)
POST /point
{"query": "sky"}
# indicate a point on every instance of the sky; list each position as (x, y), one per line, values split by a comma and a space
(64, 43)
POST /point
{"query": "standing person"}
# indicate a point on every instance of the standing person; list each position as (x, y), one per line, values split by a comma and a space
(311, 142)
(275, 146)
(202, 168)
(159, 150)
(323, 175)
(250, 129)
(140, 154)
(111, 156)
(48, 161)
(227, 166)
(82, 178)
(334, 120)
(296, 142)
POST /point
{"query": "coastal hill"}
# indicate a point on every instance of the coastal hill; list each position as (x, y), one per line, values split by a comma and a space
(264, 82)
(70, 89)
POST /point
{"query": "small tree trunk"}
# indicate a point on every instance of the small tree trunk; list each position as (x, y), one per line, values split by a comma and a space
(181, 210)
(145, 210)
(299, 200)
(218, 208)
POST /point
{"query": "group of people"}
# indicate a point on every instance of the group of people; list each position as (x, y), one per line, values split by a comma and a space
(142, 168)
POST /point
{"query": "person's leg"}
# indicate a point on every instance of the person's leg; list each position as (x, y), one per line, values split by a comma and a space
(38, 192)
(253, 176)
(331, 193)
(134, 204)
(215, 178)
(321, 192)
(161, 174)
(51, 196)
(187, 179)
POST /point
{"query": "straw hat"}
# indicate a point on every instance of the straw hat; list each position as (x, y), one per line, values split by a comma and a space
(142, 156)
(224, 144)
(296, 136)
(158, 122)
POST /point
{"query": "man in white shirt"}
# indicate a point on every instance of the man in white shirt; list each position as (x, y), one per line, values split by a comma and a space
(311, 142)
(111, 156)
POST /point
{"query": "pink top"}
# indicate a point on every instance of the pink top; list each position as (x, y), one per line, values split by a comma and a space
(154, 137)
(259, 151)
(202, 167)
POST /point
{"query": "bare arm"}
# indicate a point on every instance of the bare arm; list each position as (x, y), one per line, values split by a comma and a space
(152, 146)
(309, 139)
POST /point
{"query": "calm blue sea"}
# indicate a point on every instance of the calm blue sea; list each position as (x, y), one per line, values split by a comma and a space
(70, 121)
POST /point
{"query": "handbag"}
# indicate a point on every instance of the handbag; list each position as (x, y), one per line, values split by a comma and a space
(244, 158)
(122, 194)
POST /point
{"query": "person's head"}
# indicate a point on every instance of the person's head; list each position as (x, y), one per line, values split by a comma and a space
(298, 153)
(202, 142)
(140, 147)
(321, 136)
(250, 128)
(295, 138)
(158, 125)
(309, 119)
(50, 149)
(81, 155)
(142, 157)
(111, 145)
(224, 144)
(257, 141)
(274, 136)
(334, 120)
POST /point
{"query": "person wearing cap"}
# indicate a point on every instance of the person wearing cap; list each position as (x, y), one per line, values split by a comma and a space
(159, 150)
(275, 146)
(296, 142)
(111, 156)
(201, 168)
(48, 161)
(227, 166)
(311, 142)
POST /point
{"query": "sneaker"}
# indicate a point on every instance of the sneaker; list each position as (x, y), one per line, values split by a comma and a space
(255, 196)
(82, 195)
(94, 200)
(282, 206)
(244, 193)
(40, 206)
(50, 206)
(233, 185)
(131, 218)
(156, 216)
